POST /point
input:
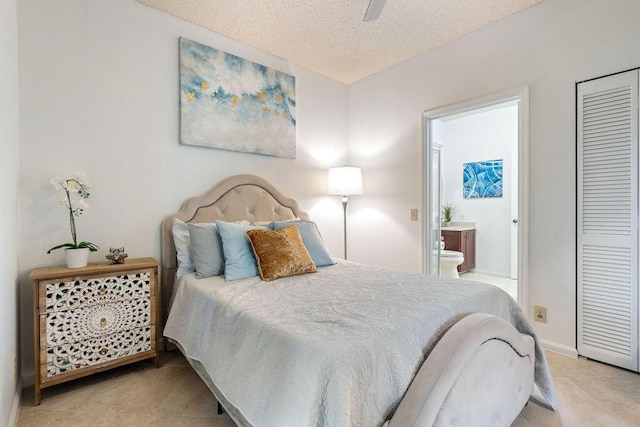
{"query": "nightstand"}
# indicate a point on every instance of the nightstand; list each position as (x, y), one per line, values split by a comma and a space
(94, 318)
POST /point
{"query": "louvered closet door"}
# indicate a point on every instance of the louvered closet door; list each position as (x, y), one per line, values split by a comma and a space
(608, 219)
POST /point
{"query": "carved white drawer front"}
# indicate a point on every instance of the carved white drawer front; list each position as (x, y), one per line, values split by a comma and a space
(82, 354)
(65, 327)
(80, 292)
(93, 318)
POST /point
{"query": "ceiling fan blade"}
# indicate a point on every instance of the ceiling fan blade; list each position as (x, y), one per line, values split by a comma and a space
(374, 10)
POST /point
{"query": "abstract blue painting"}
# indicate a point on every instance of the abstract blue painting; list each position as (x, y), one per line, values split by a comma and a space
(231, 103)
(482, 179)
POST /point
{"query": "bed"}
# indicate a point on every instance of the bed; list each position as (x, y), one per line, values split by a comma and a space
(348, 345)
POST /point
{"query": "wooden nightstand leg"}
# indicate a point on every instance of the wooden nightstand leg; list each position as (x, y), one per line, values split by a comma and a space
(36, 342)
(36, 395)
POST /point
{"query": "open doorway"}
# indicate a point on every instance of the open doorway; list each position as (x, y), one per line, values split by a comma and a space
(480, 172)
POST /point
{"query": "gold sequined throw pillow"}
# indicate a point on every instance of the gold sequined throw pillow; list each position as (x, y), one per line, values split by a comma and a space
(280, 253)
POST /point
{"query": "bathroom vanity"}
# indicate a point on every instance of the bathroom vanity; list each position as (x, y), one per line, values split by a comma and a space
(461, 237)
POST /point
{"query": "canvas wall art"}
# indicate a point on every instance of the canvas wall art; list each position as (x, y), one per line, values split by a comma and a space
(482, 179)
(231, 103)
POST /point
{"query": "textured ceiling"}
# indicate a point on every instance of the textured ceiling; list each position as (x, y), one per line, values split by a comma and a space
(330, 37)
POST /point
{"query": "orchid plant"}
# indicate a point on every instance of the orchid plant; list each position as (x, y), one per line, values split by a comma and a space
(73, 184)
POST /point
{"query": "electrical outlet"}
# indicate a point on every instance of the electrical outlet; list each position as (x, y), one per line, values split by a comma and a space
(414, 214)
(540, 313)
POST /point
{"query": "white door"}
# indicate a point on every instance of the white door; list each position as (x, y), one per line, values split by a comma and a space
(514, 210)
(607, 231)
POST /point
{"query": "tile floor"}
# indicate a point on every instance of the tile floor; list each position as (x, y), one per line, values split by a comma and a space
(590, 394)
(130, 396)
(508, 285)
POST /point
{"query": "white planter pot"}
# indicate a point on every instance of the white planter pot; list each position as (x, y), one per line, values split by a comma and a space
(76, 258)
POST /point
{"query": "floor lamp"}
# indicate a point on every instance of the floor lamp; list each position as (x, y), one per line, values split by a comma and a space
(345, 181)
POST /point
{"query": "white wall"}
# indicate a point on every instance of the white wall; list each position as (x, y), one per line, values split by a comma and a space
(487, 135)
(548, 47)
(99, 94)
(8, 208)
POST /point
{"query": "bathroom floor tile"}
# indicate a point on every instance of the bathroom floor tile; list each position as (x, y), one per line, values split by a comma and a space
(510, 286)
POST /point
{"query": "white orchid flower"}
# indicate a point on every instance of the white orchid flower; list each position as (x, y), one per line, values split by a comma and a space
(81, 177)
(78, 207)
(81, 204)
(56, 181)
(73, 183)
(72, 186)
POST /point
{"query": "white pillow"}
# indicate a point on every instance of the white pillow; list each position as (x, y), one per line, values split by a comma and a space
(182, 241)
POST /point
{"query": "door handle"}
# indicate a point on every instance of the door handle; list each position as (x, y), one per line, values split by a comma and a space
(515, 221)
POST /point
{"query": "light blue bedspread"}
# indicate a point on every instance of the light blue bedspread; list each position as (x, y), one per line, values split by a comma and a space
(335, 348)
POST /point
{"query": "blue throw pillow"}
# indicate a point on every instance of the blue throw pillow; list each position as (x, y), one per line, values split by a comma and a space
(206, 250)
(239, 261)
(311, 239)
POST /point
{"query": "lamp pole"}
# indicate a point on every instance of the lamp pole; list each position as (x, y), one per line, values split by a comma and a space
(345, 199)
(344, 181)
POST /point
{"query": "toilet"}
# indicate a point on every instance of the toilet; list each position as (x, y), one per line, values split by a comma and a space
(449, 262)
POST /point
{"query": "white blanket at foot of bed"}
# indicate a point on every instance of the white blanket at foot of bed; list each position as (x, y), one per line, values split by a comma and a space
(335, 348)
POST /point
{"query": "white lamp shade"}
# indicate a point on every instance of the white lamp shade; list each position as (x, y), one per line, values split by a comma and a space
(345, 181)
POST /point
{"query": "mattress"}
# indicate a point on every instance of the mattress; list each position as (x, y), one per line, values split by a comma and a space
(334, 348)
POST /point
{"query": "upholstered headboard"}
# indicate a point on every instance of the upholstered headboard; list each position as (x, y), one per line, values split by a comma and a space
(240, 197)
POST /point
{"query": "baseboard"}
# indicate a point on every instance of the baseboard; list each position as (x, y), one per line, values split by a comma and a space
(13, 421)
(559, 348)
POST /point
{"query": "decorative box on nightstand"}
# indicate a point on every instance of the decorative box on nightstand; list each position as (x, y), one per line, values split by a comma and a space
(93, 318)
